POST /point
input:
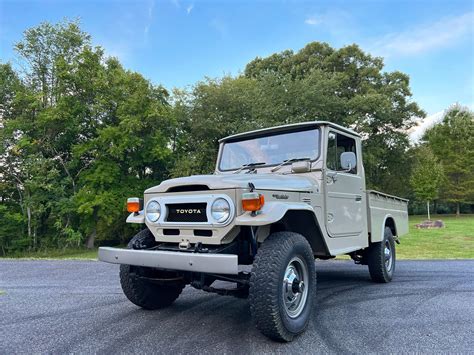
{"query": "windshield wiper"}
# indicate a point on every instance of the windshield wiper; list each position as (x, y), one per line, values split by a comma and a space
(249, 165)
(288, 161)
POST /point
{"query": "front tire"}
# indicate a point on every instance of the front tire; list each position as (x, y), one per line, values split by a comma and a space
(282, 286)
(137, 283)
(381, 258)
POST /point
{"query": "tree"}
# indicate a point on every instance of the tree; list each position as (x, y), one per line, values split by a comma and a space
(15, 102)
(79, 134)
(130, 152)
(41, 124)
(452, 142)
(427, 176)
(345, 86)
(42, 48)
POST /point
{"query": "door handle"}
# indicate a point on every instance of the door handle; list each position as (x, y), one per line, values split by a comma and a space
(358, 198)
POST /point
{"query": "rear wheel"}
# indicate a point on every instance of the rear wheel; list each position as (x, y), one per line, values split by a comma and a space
(147, 287)
(282, 286)
(381, 258)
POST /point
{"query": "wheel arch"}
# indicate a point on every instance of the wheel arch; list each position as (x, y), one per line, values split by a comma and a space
(303, 222)
(277, 216)
(390, 223)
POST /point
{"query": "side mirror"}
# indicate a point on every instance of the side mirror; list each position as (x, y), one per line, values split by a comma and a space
(348, 161)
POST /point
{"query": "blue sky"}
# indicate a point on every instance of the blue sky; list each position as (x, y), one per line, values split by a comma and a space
(178, 42)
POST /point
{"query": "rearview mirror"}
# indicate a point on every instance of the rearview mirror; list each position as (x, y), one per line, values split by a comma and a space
(348, 161)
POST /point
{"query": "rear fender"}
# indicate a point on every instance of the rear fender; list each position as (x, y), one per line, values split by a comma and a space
(388, 221)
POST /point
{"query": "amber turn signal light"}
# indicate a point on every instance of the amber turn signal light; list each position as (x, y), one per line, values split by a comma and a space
(134, 204)
(252, 201)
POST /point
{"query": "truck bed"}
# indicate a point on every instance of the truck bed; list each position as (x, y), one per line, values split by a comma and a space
(380, 207)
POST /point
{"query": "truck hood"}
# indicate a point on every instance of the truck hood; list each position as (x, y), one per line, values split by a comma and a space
(263, 181)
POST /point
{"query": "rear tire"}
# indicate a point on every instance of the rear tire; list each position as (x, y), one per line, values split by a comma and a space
(381, 258)
(282, 286)
(146, 293)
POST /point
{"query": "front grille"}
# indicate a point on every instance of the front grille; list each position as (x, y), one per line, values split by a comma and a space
(186, 212)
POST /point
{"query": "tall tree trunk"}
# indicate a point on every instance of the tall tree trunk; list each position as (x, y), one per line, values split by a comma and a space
(458, 209)
(428, 209)
(91, 239)
(28, 214)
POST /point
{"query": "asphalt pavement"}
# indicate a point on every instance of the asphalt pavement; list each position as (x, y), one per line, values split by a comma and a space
(78, 307)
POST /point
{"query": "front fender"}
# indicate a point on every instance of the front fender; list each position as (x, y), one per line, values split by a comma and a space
(270, 213)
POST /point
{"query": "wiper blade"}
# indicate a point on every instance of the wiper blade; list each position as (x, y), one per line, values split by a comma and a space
(288, 161)
(249, 165)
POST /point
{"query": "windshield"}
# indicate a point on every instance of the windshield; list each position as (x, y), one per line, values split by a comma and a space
(270, 149)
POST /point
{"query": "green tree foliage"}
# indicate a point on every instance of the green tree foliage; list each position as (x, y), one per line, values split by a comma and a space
(427, 176)
(452, 142)
(345, 86)
(79, 135)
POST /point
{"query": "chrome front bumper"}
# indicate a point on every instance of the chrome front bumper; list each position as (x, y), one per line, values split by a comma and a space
(172, 260)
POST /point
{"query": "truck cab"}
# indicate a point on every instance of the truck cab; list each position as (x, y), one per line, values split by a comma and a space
(279, 198)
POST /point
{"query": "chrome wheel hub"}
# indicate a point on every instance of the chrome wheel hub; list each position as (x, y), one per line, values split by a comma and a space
(388, 256)
(295, 290)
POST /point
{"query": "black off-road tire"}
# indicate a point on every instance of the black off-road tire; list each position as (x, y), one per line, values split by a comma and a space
(376, 260)
(266, 285)
(145, 293)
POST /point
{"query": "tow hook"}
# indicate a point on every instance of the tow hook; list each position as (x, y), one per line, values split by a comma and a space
(185, 245)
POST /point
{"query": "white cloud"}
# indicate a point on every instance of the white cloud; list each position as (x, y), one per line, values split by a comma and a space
(427, 37)
(189, 8)
(149, 20)
(417, 131)
(422, 125)
(337, 22)
(312, 21)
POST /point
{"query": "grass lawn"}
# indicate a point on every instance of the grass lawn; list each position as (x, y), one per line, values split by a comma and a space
(62, 254)
(455, 241)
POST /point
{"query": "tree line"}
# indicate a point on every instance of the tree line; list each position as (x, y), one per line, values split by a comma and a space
(80, 133)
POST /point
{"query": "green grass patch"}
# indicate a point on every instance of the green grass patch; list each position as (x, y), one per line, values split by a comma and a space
(58, 254)
(455, 241)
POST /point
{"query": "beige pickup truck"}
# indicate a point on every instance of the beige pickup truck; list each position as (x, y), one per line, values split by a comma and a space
(279, 198)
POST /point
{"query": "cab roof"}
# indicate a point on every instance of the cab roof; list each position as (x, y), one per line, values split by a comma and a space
(288, 127)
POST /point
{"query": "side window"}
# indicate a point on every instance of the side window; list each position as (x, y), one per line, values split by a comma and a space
(337, 144)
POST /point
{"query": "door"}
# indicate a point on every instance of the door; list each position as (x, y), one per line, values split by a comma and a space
(344, 200)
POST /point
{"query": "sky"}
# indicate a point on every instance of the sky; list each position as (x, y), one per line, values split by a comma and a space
(179, 42)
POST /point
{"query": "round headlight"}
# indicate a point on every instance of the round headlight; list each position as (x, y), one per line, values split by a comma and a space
(220, 210)
(153, 211)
